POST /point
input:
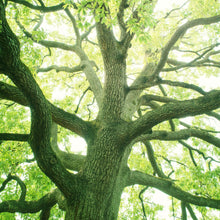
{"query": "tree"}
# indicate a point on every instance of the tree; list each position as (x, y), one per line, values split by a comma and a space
(94, 51)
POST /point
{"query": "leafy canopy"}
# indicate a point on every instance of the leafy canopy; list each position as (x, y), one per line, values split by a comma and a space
(171, 56)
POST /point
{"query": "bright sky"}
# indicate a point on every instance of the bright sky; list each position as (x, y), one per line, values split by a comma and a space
(167, 4)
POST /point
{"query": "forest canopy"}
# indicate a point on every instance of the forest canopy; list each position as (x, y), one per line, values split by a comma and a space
(109, 109)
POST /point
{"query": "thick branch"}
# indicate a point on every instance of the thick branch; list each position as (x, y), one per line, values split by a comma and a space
(86, 65)
(14, 137)
(177, 109)
(19, 73)
(64, 119)
(115, 69)
(13, 206)
(168, 82)
(183, 208)
(171, 189)
(164, 99)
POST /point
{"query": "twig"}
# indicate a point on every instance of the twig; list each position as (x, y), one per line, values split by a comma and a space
(77, 108)
(142, 201)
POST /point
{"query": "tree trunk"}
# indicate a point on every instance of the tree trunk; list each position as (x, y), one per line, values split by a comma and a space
(100, 188)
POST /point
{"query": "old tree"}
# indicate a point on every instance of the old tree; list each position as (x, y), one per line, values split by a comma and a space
(131, 78)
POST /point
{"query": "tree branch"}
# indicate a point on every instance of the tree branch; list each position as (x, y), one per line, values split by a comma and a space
(13, 206)
(171, 189)
(191, 212)
(61, 117)
(183, 208)
(14, 137)
(19, 73)
(120, 16)
(67, 69)
(177, 109)
(151, 157)
(179, 33)
(182, 134)
(39, 8)
(168, 82)
(197, 62)
(86, 65)
(191, 149)
(76, 30)
(164, 99)
(19, 181)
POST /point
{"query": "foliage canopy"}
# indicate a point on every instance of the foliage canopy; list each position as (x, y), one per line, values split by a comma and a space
(108, 106)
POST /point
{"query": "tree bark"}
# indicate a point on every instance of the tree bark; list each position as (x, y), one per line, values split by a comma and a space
(102, 175)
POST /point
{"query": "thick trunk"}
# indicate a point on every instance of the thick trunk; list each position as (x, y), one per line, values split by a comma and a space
(101, 186)
(94, 206)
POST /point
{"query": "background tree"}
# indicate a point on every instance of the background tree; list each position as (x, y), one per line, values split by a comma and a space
(124, 76)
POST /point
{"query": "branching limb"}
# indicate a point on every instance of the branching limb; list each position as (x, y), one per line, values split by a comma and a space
(67, 69)
(61, 117)
(179, 135)
(86, 65)
(171, 189)
(54, 8)
(199, 61)
(175, 9)
(120, 16)
(125, 36)
(19, 181)
(183, 85)
(12, 66)
(49, 44)
(149, 97)
(41, 17)
(177, 109)
(76, 30)
(86, 34)
(13, 206)
(191, 149)
(179, 33)
(170, 161)
(168, 82)
(151, 157)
